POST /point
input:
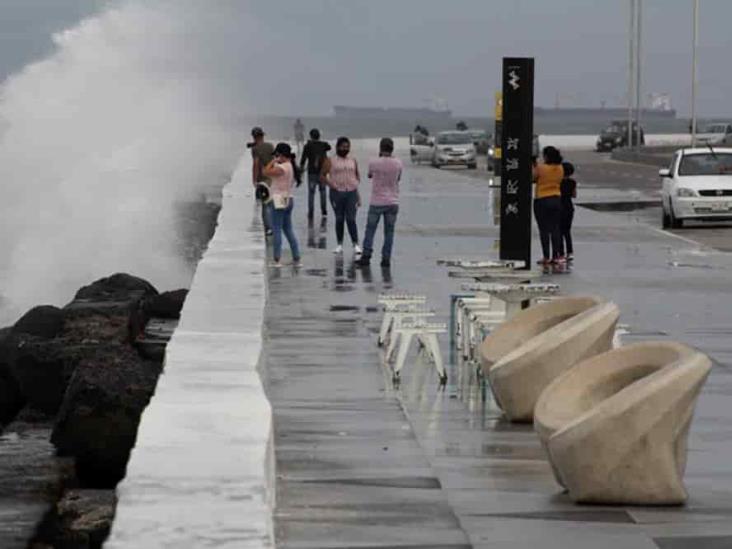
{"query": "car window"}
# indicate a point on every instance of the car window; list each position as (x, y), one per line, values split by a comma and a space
(454, 139)
(706, 164)
(673, 163)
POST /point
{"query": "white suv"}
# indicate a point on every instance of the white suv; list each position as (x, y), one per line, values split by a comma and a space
(698, 186)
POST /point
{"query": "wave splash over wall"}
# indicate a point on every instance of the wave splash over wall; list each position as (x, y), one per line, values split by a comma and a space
(130, 114)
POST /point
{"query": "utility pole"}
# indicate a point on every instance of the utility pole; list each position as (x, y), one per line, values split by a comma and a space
(694, 46)
(631, 34)
(638, 44)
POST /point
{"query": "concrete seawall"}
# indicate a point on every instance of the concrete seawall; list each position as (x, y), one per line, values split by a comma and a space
(201, 472)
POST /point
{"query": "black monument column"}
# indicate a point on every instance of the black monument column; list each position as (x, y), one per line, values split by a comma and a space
(516, 149)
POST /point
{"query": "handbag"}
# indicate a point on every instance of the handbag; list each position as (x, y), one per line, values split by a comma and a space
(280, 201)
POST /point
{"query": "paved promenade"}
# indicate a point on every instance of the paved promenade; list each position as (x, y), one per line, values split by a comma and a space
(361, 464)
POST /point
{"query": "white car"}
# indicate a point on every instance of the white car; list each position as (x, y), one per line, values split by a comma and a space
(454, 148)
(698, 186)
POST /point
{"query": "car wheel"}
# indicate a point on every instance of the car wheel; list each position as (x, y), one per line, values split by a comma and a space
(472, 166)
(675, 222)
(666, 219)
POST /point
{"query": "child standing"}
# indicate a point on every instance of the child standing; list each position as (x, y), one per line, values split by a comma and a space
(568, 192)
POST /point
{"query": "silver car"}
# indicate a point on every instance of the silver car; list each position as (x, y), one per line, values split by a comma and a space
(454, 148)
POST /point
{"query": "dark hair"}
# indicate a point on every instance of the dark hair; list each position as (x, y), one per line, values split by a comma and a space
(568, 168)
(342, 140)
(551, 155)
(386, 145)
(283, 149)
(257, 131)
(314, 134)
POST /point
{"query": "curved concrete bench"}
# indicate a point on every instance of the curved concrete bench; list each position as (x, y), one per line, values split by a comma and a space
(528, 351)
(615, 426)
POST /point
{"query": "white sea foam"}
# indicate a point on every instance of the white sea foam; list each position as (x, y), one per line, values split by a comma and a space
(130, 114)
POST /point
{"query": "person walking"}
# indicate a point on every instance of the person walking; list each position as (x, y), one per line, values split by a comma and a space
(568, 190)
(282, 173)
(548, 177)
(341, 174)
(385, 173)
(314, 153)
(262, 155)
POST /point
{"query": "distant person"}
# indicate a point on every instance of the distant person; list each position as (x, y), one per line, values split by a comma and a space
(314, 155)
(299, 128)
(568, 193)
(548, 177)
(282, 172)
(461, 126)
(262, 154)
(385, 172)
(340, 173)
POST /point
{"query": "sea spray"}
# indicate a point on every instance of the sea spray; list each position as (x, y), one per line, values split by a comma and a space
(130, 114)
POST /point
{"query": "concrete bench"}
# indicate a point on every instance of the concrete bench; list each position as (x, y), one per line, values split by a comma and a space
(615, 425)
(529, 350)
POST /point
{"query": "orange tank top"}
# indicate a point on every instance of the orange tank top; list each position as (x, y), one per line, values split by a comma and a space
(548, 180)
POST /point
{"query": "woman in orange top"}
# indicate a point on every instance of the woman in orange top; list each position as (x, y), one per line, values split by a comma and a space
(547, 204)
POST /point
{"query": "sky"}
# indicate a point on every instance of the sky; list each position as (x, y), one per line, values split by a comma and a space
(301, 57)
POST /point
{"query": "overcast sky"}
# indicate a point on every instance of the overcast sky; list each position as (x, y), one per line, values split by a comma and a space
(303, 56)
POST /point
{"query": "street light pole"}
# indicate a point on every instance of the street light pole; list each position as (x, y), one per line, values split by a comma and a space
(638, 43)
(695, 44)
(631, 34)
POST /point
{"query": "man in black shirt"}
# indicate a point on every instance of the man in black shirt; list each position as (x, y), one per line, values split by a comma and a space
(314, 153)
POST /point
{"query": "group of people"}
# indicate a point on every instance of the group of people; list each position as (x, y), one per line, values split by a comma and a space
(276, 172)
(554, 207)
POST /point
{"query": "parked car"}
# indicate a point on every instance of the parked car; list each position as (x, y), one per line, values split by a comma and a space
(616, 135)
(717, 133)
(454, 148)
(421, 148)
(697, 185)
(481, 140)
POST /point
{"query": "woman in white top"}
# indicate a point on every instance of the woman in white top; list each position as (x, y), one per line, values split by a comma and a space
(282, 173)
(340, 173)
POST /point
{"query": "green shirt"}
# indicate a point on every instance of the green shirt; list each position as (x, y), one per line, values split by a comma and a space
(264, 152)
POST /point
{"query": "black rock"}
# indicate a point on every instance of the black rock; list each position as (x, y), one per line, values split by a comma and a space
(42, 321)
(11, 397)
(43, 368)
(165, 305)
(118, 287)
(84, 518)
(98, 420)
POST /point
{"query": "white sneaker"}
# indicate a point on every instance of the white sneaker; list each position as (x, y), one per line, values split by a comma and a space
(338, 249)
(357, 249)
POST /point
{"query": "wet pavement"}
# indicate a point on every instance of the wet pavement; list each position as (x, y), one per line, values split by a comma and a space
(361, 463)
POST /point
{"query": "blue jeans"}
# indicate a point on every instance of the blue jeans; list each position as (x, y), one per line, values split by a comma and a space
(345, 204)
(372, 222)
(282, 222)
(315, 184)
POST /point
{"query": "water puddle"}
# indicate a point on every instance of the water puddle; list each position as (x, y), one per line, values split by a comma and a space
(621, 206)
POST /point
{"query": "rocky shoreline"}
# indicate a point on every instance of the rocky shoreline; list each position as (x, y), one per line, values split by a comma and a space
(74, 382)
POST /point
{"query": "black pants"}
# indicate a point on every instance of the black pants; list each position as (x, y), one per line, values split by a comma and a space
(565, 229)
(345, 205)
(316, 185)
(547, 213)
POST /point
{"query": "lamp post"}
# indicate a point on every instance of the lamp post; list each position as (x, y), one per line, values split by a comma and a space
(631, 34)
(638, 35)
(694, 45)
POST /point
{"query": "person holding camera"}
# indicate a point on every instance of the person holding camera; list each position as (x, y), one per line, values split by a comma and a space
(282, 173)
